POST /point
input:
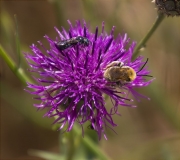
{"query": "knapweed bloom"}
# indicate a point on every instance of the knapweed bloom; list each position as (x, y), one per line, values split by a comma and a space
(71, 82)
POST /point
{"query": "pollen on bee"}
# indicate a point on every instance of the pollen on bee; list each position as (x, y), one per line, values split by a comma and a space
(118, 73)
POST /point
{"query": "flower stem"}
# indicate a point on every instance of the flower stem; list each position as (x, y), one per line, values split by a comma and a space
(142, 43)
(71, 146)
(91, 145)
(15, 69)
(24, 78)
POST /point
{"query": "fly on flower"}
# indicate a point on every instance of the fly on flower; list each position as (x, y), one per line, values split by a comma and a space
(64, 44)
(71, 86)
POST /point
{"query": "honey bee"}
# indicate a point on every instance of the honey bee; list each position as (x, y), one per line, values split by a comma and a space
(117, 72)
(62, 45)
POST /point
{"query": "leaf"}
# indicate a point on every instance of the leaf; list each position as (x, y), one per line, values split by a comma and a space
(46, 155)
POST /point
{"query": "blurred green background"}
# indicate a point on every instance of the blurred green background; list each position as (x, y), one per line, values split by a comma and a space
(148, 132)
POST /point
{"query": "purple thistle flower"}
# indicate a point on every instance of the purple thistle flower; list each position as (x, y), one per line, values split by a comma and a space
(71, 80)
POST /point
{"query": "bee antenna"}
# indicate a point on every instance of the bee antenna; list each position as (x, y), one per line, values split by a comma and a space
(143, 66)
(145, 75)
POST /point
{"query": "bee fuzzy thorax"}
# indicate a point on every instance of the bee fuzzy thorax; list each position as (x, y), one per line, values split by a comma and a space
(130, 72)
(117, 72)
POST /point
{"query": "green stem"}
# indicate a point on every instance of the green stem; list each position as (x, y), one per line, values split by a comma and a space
(24, 78)
(71, 146)
(91, 145)
(19, 72)
(142, 43)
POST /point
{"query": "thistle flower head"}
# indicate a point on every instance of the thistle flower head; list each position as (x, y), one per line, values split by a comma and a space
(168, 7)
(70, 76)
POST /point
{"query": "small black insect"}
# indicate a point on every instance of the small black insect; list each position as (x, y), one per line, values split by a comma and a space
(62, 45)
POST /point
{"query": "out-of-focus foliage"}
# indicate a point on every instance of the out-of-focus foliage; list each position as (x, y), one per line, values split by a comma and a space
(150, 131)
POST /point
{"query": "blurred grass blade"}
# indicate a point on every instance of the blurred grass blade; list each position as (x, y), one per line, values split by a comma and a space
(18, 49)
(7, 26)
(59, 12)
(157, 93)
(51, 156)
(27, 110)
(46, 155)
(88, 7)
